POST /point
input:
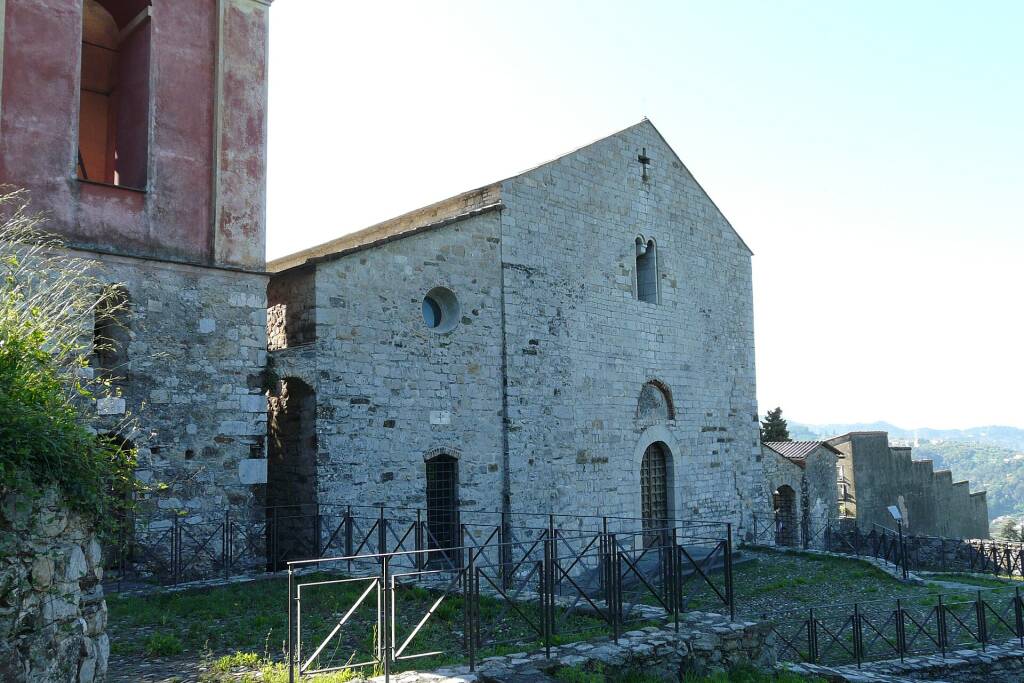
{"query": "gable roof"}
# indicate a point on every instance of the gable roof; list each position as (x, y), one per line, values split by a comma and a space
(451, 210)
(797, 451)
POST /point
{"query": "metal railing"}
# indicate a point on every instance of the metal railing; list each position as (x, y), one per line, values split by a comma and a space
(619, 579)
(172, 549)
(907, 552)
(886, 629)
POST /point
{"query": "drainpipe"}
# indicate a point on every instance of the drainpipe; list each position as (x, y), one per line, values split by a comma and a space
(506, 467)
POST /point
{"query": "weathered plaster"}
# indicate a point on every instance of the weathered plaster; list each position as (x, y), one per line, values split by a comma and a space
(241, 129)
(3, 13)
(174, 218)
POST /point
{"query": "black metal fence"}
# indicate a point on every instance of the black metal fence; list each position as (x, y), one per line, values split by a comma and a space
(886, 629)
(908, 552)
(509, 593)
(173, 549)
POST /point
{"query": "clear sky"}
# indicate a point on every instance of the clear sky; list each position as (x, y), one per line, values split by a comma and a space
(870, 153)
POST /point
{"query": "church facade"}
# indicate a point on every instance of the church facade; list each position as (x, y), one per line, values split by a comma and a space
(576, 339)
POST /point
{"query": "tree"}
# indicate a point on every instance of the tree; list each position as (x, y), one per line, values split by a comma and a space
(773, 427)
(1011, 531)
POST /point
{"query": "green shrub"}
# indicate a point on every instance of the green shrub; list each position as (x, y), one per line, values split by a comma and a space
(47, 303)
(163, 645)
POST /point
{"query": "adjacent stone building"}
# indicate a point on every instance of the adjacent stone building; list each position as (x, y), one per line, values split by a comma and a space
(876, 475)
(801, 477)
(575, 339)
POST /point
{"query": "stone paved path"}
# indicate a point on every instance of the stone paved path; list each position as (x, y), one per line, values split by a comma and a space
(154, 669)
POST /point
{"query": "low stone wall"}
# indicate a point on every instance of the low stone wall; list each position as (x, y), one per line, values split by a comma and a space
(705, 643)
(996, 664)
(52, 612)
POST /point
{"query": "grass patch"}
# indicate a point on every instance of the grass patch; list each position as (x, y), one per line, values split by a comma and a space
(775, 581)
(972, 580)
(749, 675)
(162, 645)
(243, 626)
(238, 660)
(595, 672)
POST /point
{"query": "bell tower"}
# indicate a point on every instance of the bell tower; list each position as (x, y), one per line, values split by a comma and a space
(140, 127)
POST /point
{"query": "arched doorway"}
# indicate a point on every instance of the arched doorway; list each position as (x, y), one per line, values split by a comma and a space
(784, 505)
(655, 492)
(291, 494)
(443, 534)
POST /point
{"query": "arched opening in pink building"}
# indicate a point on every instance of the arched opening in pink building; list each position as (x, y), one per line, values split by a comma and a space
(113, 118)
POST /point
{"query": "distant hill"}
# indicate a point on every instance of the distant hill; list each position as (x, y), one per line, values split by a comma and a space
(991, 458)
(1007, 437)
(988, 467)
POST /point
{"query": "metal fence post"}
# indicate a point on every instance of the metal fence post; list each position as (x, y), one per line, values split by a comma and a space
(728, 572)
(418, 540)
(469, 595)
(979, 611)
(175, 550)
(382, 532)
(614, 594)
(385, 624)
(274, 541)
(291, 628)
(941, 621)
(677, 581)
(812, 637)
(505, 550)
(858, 635)
(225, 545)
(1018, 614)
(318, 534)
(348, 533)
(901, 634)
(546, 594)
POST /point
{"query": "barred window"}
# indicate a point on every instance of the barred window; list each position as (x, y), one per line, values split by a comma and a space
(443, 510)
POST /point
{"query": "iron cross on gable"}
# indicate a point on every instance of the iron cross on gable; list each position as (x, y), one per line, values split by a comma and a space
(644, 161)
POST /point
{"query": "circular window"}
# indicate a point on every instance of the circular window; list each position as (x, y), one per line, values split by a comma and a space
(441, 309)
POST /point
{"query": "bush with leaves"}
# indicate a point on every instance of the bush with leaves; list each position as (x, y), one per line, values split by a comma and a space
(47, 302)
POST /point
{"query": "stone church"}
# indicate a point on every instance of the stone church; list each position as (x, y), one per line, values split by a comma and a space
(574, 339)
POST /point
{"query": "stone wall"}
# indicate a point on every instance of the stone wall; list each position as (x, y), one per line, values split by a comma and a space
(1002, 663)
(391, 392)
(705, 643)
(52, 613)
(930, 501)
(192, 381)
(291, 308)
(822, 495)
